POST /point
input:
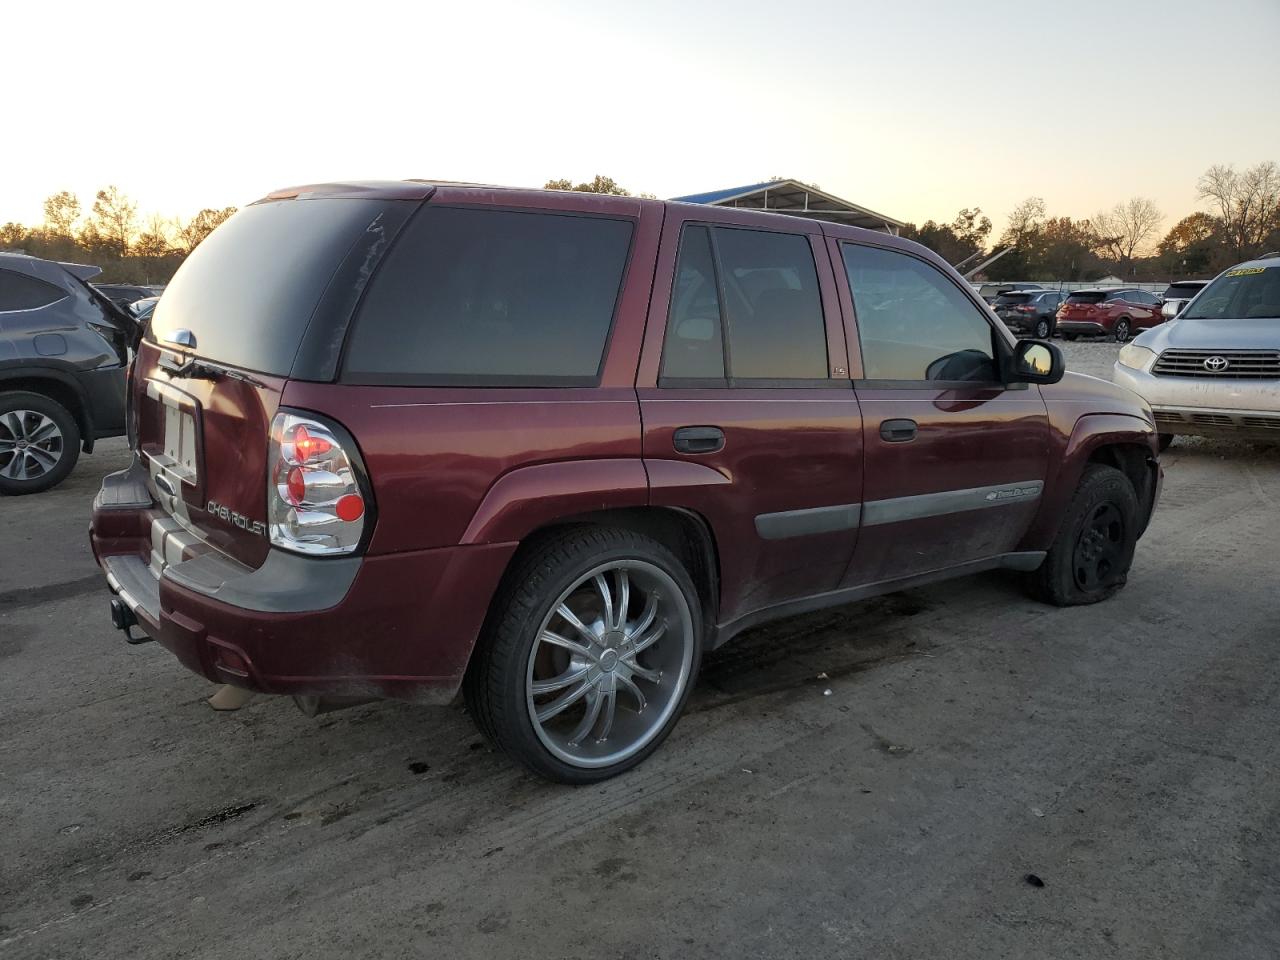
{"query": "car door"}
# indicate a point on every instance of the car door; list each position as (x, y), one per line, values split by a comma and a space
(750, 419)
(955, 459)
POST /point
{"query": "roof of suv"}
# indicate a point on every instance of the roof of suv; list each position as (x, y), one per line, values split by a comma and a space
(51, 270)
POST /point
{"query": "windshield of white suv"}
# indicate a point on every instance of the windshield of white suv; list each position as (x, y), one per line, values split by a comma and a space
(1240, 294)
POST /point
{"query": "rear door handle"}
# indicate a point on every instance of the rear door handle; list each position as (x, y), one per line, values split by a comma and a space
(698, 439)
(898, 431)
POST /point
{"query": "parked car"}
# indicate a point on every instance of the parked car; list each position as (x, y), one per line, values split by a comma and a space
(1215, 370)
(123, 294)
(546, 449)
(142, 309)
(1111, 312)
(989, 291)
(1031, 311)
(64, 348)
(1178, 294)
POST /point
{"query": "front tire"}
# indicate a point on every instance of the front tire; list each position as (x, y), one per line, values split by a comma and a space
(1166, 440)
(588, 656)
(1090, 558)
(39, 442)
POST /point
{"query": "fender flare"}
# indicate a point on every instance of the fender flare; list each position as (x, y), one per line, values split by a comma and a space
(1091, 431)
(530, 497)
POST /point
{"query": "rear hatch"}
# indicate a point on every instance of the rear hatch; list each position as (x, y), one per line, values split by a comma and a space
(1012, 305)
(266, 297)
(1082, 305)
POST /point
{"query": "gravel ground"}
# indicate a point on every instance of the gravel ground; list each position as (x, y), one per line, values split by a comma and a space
(1124, 754)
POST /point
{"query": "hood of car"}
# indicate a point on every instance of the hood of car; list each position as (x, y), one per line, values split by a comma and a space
(1259, 333)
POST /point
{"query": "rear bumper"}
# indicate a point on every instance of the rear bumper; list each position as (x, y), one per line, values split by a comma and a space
(398, 625)
(1090, 328)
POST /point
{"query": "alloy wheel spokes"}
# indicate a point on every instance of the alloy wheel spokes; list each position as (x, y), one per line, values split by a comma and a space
(30, 444)
(591, 697)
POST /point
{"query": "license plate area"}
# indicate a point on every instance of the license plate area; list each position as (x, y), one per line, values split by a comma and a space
(176, 449)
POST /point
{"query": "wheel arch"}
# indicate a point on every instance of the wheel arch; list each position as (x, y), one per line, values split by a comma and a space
(56, 385)
(1124, 441)
(684, 532)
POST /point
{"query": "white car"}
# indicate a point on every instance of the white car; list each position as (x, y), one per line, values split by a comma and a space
(1215, 370)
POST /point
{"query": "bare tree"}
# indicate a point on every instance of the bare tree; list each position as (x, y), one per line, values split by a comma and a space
(1127, 228)
(115, 218)
(201, 225)
(1026, 219)
(61, 211)
(1248, 204)
(156, 238)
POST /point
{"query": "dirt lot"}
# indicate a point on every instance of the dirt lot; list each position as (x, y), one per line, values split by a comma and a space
(1125, 754)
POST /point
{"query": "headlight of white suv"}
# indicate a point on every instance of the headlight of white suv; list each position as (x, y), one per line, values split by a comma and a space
(1136, 357)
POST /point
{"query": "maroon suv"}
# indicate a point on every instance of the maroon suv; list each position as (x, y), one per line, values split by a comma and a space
(1117, 313)
(547, 449)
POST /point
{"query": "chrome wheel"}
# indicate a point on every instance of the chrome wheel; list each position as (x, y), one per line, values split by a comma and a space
(610, 663)
(30, 445)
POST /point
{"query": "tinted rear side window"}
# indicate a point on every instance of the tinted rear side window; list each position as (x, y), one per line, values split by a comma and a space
(772, 306)
(249, 290)
(21, 292)
(472, 296)
(1086, 298)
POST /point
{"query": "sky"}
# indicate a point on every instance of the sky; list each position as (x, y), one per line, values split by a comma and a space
(914, 108)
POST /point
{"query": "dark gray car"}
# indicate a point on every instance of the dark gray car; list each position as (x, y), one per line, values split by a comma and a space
(1030, 311)
(64, 352)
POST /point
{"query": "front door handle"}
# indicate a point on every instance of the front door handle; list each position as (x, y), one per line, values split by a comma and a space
(698, 439)
(898, 431)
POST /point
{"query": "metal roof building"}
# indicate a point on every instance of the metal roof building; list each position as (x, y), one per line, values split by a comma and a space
(798, 199)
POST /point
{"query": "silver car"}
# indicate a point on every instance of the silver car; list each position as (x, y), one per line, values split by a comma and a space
(1215, 370)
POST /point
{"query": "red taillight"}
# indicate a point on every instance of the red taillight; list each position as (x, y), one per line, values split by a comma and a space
(350, 508)
(1026, 309)
(316, 501)
(308, 446)
(296, 485)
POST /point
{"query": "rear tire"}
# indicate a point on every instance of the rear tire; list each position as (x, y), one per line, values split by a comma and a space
(1091, 555)
(603, 625)
(39, 442)
(1122, 330)
(1044, 330)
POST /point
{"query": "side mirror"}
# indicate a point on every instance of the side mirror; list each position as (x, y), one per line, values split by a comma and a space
(1035, 361)
(1172, 308)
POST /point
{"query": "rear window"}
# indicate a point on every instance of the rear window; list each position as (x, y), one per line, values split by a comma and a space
(21, 292)
(249, 290)
(1086, 298)
(1182, 291)
(1013, 298)
(492, 297)
(1244, 293)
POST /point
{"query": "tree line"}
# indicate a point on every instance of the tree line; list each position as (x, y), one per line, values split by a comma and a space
(1241, 220)
(112, 235)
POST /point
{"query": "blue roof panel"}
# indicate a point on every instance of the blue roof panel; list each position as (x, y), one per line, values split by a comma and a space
(715, 195)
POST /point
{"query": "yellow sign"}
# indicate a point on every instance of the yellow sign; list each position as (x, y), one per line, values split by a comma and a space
(1245, 271)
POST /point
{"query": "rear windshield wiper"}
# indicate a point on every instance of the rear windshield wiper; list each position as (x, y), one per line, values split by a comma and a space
(197, 369)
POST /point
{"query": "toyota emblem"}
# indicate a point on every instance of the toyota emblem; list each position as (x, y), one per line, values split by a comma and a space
(1216, 364)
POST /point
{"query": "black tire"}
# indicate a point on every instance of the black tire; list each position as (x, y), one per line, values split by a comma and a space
(1123, 329)
(19, 409)
(1044, 329)
(495, 685)
(1105, 498)
(1166, 439)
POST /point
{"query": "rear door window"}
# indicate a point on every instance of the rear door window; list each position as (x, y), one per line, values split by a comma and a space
(491, 297)
(21, 292)
(914, 324)
(745, 309)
